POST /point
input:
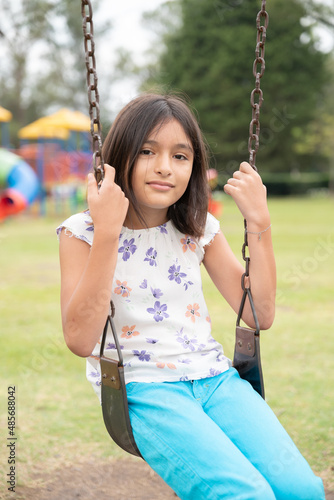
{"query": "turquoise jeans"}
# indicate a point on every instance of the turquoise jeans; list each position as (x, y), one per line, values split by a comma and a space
(215, 439)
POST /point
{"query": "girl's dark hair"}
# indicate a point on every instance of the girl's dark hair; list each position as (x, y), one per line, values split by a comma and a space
(126, 137)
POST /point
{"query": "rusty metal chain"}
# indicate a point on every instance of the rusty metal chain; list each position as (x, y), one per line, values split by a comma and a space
(92, 89)
(256, 98)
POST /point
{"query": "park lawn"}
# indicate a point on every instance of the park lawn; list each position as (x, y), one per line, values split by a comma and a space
(58, 416)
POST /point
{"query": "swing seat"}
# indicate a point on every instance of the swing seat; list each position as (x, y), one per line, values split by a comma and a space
(113, 395)
(247, 359)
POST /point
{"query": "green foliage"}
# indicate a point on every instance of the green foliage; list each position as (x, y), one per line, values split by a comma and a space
(291, 183)
(42, 43)
(319, 133)
(209, 55)
(316, 140)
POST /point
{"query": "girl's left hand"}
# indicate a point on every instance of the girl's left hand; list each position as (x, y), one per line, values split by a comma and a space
(249, 194)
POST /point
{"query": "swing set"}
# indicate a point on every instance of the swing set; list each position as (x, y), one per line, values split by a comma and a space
(246, 357)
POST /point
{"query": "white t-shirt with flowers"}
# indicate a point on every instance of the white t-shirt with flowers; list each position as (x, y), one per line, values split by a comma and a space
(162, 321)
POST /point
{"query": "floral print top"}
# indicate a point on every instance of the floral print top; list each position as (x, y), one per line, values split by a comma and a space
(162, 321)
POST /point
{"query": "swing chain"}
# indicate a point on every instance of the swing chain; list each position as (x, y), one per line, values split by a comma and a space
(245, 258)
(93, 94)
(258, 71)
(262, 20)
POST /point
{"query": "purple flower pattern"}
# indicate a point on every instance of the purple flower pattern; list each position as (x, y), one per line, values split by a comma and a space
(113, 346)
(96, 376)
(142, 355)
(90, 226)
(152, 341)
(220, 357)
(214, 373)
(158, 311)
(89, 223)
(156, 293)
(175, 274)
(186, 342)
(127, 249)
(186, 361)
(151, 256)
(163, 229)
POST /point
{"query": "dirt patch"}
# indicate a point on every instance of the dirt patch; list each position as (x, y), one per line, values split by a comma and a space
(112, 479)
(109, 480)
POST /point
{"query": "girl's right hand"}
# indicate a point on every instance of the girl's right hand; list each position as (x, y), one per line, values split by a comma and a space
(107, 205)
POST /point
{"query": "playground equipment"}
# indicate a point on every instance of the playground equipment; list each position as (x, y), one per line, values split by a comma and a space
(58, 147)
(19, 185)
(5, 118)
(56, 126)
(215, 207)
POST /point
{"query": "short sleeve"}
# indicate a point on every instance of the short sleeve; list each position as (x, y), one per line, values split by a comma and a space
(79, 225)
(212, 227)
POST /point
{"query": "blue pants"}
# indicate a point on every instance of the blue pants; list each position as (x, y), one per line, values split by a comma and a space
(215, 439)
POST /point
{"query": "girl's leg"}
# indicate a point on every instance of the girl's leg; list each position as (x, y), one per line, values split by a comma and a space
(254, 429)
(187, 448)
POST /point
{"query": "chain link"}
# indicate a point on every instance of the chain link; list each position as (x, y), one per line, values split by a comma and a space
(256, 98)
(92, 89)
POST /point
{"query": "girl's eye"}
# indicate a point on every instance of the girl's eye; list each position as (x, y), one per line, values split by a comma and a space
(180, 157)
(145, 152)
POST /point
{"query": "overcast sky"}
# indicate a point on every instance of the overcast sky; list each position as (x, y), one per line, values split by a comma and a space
(127, 33)
(126, 15)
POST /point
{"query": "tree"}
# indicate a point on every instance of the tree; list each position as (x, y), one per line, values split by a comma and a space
(209, 55)
(316, 141)
(42, 46)
(20, 32)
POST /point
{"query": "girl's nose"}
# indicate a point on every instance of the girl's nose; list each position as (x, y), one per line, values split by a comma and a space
(164, 165)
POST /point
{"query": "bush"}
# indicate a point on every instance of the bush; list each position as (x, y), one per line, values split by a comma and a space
(287, 184)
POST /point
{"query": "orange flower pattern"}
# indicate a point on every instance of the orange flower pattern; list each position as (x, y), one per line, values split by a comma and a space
(192, 312)
(122, 288)
(129, 331)
(161, 365)
(188, 243)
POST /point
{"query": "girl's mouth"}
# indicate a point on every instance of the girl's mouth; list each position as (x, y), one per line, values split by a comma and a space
(160, 186)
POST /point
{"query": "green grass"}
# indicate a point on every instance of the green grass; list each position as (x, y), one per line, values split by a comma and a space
(58, 415)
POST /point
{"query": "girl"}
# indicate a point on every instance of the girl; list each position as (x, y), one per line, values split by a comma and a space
(204, 430)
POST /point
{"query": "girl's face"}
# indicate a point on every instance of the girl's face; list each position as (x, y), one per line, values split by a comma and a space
(161, 173)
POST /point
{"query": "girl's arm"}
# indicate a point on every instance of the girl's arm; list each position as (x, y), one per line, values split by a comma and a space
(87, 272)
(249, 193)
